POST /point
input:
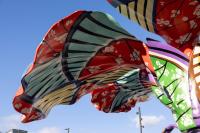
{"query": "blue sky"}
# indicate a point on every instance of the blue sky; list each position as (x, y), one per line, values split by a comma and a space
(22, 26)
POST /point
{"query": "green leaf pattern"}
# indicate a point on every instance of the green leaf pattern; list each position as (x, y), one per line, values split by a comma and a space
(173, 91)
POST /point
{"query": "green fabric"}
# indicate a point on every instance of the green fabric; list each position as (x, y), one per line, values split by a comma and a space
(173, 92)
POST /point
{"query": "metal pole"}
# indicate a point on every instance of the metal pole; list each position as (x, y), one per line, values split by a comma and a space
(140, 119)
(67, 129)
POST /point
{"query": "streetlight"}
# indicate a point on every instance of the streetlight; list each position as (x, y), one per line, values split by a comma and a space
(67, 129)
(140, 119)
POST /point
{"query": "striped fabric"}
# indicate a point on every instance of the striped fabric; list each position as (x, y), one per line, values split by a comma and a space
(177, 21)
(115, 3)
(167, 52)
(94, 31)
(195, 68)
(140, 11)
(84, 52)
(88, 52)
(196, 65)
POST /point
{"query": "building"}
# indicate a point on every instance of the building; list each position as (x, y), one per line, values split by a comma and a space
(17, 131)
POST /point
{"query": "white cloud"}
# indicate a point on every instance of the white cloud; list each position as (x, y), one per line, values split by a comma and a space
(9, 122)
(149, 120)
(14, 122)
(49, 130)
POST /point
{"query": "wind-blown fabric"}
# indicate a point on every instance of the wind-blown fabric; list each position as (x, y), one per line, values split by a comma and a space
(195, 68)
(174, 89)
(177, 21)
(86, 52)
(90, 53)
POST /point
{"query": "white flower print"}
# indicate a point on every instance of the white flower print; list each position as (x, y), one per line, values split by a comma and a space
(112, 96)
(92, 69)
(197, 11)
(61, 38)
(182, 106)
(178, 73)
(187, 120)
(25, 110)
(162, 83)
(135, 55)
(51, 34)
(193, 24)
(179, 97)
(170, 89)
(174, 13)
(104, 100)
(104, 93)
(119, 60)
(109, 49)
(33, 117)
(17, 106)
(166, 72)
(95, 96)
(184, 38)
(163, 22)
(159, 64)
(185, 18)
(68, 22)
(162, 3)
(193, 3)
(167, 38)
